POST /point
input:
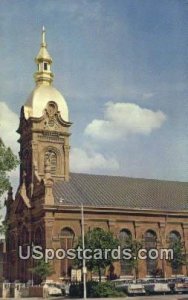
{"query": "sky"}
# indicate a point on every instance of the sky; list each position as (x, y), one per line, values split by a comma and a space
(122, 66)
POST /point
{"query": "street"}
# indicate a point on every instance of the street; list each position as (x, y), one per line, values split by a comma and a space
(154, 297)
(159, 297)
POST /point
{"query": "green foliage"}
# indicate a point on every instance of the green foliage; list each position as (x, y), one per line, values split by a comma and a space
(42, 269)
(8, 162)
(95, 290)
(178, 254)
(98, 239)
(105, 289)
(3, 228)
(134, 246)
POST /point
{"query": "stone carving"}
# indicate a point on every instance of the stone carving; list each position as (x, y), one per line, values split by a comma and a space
(51, 116)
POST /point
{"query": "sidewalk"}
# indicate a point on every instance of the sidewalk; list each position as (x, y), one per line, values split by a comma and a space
(49, 298)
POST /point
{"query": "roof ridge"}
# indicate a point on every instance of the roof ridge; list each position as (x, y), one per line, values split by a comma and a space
(129, 178)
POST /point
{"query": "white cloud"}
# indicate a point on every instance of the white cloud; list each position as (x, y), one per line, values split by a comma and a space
(82, 160)
(9, 123)
(123, 119)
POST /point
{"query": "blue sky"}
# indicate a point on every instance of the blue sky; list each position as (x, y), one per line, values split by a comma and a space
(112, 59)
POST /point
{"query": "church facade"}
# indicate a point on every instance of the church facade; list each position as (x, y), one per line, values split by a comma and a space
(46, 209)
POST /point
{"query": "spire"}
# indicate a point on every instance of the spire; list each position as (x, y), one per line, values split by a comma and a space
(43, 60)
(43, 37)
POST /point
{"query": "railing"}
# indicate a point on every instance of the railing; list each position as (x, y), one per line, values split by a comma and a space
(21, 290)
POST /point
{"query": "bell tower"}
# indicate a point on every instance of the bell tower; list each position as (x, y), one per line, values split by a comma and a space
(44, 126)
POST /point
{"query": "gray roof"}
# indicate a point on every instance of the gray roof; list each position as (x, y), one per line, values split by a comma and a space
(117, 191)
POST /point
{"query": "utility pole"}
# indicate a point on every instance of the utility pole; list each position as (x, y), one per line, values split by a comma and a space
(83, 247)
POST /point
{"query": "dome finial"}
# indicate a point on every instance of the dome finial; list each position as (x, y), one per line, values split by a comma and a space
(43, 36)
(43, 60)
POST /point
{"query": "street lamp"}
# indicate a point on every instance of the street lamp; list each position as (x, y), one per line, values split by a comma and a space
(84, 269)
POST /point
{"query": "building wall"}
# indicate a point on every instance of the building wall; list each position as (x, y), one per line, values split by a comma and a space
(115, 222)
(52, 219)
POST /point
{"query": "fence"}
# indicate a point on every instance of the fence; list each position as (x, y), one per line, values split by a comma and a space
(18, 290)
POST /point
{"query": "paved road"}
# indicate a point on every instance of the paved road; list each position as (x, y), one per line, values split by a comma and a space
(160, 297)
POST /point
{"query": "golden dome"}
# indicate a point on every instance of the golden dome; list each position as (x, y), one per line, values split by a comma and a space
(38, 99)
(44, 92)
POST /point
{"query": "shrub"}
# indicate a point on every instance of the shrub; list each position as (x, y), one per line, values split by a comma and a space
(106, 289)
(95, 290)
(76, 290)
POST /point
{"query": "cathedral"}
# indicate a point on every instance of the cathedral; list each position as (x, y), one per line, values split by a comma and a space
(46, 208)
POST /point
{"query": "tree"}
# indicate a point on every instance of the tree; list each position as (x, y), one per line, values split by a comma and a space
(42, 269)
(134, 246)
(8, 162)
(97, 240)
(178, 255)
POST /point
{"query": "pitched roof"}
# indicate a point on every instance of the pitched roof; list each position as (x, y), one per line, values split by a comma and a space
(117, 191)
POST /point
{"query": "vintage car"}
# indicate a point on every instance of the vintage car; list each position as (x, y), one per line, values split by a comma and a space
(157, 286)
(130, 286)
(181, 285)
(122, 284)
(53, 289)
(136, 288)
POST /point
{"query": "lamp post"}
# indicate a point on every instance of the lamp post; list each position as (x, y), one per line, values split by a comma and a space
(84, 269)
(83, 247)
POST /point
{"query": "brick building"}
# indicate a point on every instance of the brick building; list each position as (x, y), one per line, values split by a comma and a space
(46, 208)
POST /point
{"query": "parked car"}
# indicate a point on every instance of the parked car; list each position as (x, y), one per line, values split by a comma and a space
(171, 283)
(181, 285)
(157, 286)
(122, 284)
(136, 288)
(53, 289)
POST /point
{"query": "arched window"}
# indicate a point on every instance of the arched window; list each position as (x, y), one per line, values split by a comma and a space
(178, 251)
(125, 238)
(67, 232)
(67, 240)
(51, 156)
(174, 236)
(150, 240)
